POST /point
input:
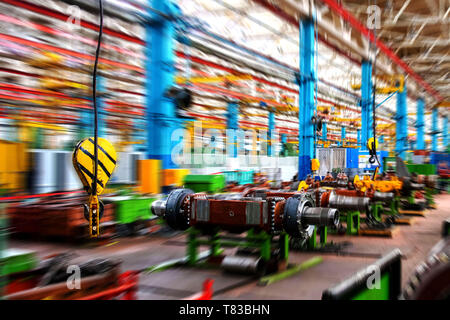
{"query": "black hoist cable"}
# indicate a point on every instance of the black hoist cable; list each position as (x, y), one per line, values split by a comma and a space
(94, 99)
(373, 147)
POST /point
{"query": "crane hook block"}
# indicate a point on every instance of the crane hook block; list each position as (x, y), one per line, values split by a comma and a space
(83, 160)
(370, 143)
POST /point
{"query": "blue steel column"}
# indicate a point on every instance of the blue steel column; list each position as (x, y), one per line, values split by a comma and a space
(85, 124)
(160, 110)
(324, 131)
(420, 125)
(101, 88)
(434, 124)
(306, 98)
(342, 135)
(270, 132)
(445, 132)
(233, 126)
(401, 117)
(366, 104)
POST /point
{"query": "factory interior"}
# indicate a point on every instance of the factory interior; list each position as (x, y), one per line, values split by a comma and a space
(240, 150)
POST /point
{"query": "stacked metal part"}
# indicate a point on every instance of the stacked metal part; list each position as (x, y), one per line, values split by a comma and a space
(296, 215)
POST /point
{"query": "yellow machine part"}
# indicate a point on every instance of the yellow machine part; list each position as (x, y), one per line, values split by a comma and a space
(378, 185)
(394, 83)
(302, 186)
(315, 164)
(149, 176)
(13, 165)
(230, 77)
(174, 176)
(83, 162)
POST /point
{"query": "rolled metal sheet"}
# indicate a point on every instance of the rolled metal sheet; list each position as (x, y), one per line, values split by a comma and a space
(243, 264)
(125, 171)
(66, 176)
(45, 173)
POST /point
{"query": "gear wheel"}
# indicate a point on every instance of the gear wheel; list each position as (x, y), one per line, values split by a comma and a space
(291, 222)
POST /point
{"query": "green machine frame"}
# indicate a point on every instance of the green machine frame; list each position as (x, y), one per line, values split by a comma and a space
(266, 243)
(388, 286)
(322, 234)
(262, 241)
(352, 219)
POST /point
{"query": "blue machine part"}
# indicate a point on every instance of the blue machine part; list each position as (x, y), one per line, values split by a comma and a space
(324, 131)
(401, 117)
(436, 157)
(420, 125)
(307, 80)
(352, 158)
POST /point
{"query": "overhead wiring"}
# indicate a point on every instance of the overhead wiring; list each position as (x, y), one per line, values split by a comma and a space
(373, 149)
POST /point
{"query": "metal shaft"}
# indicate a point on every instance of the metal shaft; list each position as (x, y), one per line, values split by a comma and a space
(383, 196)
(159, 207)
(321, 217)
(348, 203)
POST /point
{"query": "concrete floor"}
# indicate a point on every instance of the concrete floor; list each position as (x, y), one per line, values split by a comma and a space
(414, 241)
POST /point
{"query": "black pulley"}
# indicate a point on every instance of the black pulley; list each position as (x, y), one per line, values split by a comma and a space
(174, 217)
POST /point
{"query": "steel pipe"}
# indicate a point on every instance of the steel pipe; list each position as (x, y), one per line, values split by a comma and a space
(244, 264)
